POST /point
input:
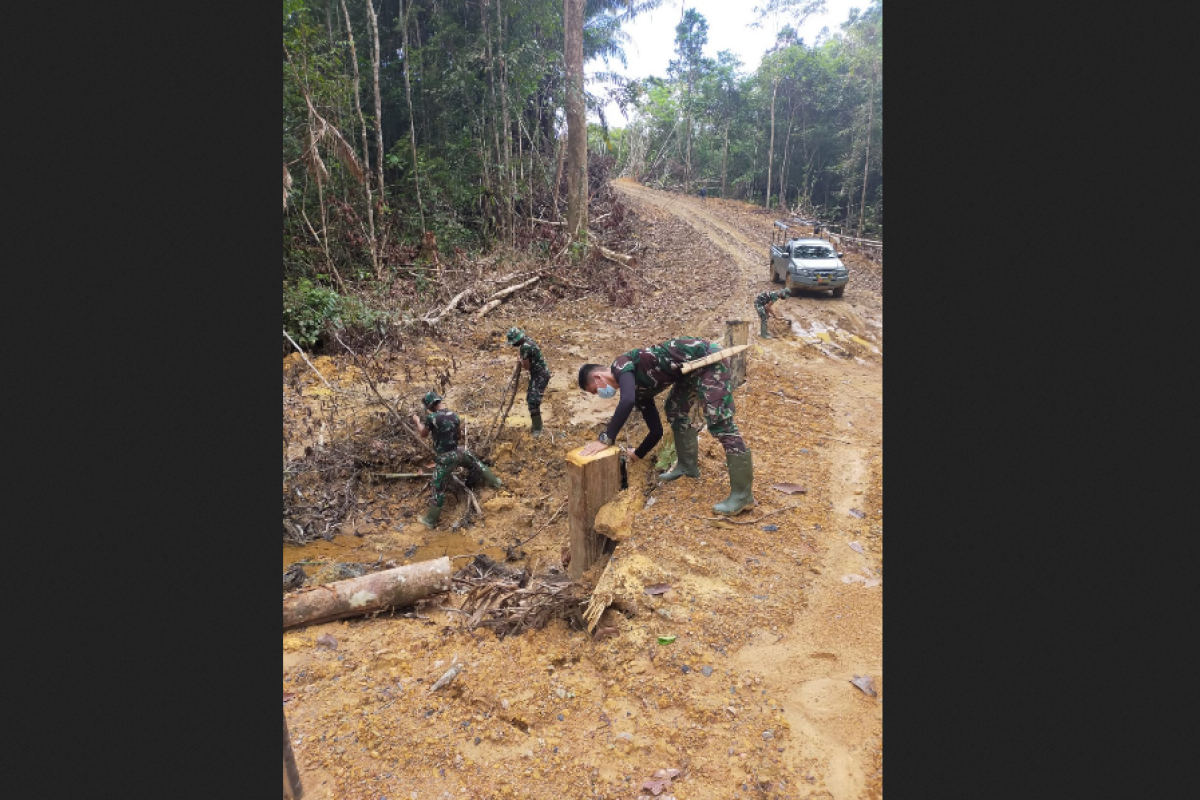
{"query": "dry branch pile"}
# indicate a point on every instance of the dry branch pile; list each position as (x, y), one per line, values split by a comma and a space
(510, 601)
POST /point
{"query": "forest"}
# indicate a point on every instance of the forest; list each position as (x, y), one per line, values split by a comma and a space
(418, 134)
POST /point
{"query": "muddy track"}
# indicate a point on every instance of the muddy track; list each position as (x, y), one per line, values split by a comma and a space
(773, 617)
(839, 633)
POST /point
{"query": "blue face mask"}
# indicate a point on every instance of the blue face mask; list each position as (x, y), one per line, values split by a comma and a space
(606, 391)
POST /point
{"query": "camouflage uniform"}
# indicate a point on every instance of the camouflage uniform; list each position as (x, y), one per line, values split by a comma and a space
(653, 372)
(539, 374)
(443, 427)
(766, 298)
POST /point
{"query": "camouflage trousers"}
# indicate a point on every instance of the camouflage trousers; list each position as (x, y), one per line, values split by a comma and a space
(446, 462)
(711, 384)
(537, 388)
(762, 312)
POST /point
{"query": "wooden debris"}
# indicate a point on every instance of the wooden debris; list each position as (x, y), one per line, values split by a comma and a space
(401, 586)
(445, 680)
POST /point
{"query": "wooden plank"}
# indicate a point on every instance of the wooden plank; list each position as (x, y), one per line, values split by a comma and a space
(592, 481)
(737, 332)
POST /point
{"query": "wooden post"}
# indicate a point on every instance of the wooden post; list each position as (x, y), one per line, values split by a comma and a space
(592, 481)
(737, 332)
(292, 790)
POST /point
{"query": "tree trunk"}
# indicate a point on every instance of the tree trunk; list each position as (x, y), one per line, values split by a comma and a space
(562, 154)
(509, 186)
(771, 150)
(592, 482)
(783, 166)
(377, 591)
(577, 183)
(378, 102)
(498, 156)
(412, 129)
(724, 160)
(366, 150)
(867, 158)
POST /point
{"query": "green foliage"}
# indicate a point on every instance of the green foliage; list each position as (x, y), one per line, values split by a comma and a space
(666, 456)
(307, 309)
(310, 310)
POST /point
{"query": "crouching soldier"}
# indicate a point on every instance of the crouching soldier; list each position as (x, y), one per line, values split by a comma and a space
(539, 375)
(637, 376)
(763, 306)
(446, 429)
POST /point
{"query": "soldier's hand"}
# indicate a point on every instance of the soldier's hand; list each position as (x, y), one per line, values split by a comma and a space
(630, 454)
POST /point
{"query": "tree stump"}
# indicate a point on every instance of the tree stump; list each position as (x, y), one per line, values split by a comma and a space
(292, 790)
(592, 482)
(737, 332)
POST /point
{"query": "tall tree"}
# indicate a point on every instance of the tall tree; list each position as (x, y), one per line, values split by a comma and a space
(366, 151)
(412, 130)
(691, 34)
(576, 160)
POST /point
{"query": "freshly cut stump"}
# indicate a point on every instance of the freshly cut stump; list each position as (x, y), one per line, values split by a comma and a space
(592, 481)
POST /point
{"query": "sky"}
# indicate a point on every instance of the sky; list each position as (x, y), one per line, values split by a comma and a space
(653, 38)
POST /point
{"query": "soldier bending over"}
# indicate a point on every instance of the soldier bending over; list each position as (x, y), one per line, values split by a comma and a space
(762, 305)
(639, 375)
(446, 429)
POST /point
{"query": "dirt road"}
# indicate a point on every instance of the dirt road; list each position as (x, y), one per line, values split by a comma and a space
(753, 698)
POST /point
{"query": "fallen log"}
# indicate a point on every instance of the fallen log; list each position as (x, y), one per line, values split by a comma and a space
(390, 588)
(495, 299)
(449, 307)
(627, 261)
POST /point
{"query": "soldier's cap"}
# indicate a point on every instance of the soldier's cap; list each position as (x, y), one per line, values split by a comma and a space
(515, 335)
(431, 399)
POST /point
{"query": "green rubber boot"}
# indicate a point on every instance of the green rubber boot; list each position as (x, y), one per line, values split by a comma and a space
(762, 331)
(430, 518)
(687, 450)
(741, 475)
(535, 427)
(490, 477)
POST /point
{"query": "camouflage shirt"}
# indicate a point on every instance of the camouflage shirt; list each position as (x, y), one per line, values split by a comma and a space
(652, 366)
(769, 297)
(530, 351)
(443, 427)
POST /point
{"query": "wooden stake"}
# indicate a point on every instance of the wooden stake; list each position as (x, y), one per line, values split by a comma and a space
(592, 482)
(292, 790)
(737, 332)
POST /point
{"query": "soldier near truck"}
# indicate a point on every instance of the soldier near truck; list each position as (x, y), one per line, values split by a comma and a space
(638, 376)
(763, 307)
(446, 429)
(532, 360)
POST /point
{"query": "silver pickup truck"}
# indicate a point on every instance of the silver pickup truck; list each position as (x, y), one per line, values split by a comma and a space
(809, 264)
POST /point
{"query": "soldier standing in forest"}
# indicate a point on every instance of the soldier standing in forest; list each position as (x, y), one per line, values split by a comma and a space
(446, 429)
(762, 305)
(639, 375)
(539, 375)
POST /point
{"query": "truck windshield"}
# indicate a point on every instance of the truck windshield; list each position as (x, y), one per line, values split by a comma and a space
(811, 251)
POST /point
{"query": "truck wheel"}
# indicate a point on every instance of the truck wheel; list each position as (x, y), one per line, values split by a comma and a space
(775, 278)
(839, 291)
